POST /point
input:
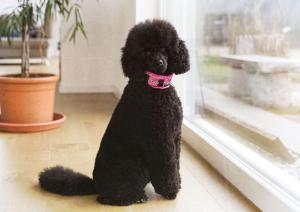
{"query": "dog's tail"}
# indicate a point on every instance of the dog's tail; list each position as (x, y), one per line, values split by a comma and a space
(65, 181)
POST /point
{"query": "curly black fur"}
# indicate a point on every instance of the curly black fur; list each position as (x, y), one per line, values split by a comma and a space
(142, 141)
(65, 181)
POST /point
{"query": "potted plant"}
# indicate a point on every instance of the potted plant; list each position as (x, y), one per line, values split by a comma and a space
(27, 99)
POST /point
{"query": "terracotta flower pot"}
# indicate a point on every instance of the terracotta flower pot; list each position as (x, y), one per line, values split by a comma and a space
(27, 100)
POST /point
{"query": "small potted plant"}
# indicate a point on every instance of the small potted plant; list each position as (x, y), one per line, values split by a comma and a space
(27, 99)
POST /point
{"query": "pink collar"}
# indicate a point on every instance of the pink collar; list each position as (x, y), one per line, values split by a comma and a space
(159, 81)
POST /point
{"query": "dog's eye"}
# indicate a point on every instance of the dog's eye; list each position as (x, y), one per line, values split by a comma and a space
(163, 50)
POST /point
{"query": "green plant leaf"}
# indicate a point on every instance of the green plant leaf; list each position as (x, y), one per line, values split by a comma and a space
(42, 11)
(48, 11)
(9, 24)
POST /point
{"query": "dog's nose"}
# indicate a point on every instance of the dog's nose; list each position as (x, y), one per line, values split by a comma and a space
(160, 62)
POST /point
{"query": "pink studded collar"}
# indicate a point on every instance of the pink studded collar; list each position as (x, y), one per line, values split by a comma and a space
(159, 81)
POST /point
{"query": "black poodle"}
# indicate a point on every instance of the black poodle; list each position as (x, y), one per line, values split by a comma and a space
(142, 141)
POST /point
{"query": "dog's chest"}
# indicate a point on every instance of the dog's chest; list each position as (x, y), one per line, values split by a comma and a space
(160, 111)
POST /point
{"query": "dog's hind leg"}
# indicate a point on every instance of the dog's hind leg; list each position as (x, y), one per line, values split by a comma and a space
(122, 182)
(123, 199)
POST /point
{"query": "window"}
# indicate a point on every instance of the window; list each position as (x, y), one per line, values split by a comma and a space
(249, 59)
(245, 81)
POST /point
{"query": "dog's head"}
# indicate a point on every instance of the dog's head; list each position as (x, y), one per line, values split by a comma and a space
(154, 46)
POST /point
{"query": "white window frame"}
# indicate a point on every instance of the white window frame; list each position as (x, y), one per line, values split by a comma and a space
(267, 186)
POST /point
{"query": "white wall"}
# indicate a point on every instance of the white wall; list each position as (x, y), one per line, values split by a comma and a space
(93, 65)
(147, 9)
(7, 5)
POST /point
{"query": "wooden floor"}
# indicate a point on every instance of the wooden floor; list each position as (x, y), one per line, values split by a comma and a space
(23, 156)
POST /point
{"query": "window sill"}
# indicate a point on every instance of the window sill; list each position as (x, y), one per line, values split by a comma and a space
(267, 186)
(280, 134)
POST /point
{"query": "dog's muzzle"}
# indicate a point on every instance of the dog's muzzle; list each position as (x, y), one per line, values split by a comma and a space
(159, 81)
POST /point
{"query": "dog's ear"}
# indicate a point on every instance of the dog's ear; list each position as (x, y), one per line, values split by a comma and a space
(128, 63)
(179, 62)
(124, 62)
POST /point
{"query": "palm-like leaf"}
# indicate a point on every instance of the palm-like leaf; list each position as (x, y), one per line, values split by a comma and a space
(10, 23)
(28, 14)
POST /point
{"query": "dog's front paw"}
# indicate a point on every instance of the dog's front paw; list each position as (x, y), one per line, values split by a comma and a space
(170, 196)
(168, 192)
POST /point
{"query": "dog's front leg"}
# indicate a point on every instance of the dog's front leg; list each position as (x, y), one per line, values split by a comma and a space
(164, 172)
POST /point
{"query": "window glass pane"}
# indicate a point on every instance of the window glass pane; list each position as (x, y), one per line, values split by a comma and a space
(248, 57)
